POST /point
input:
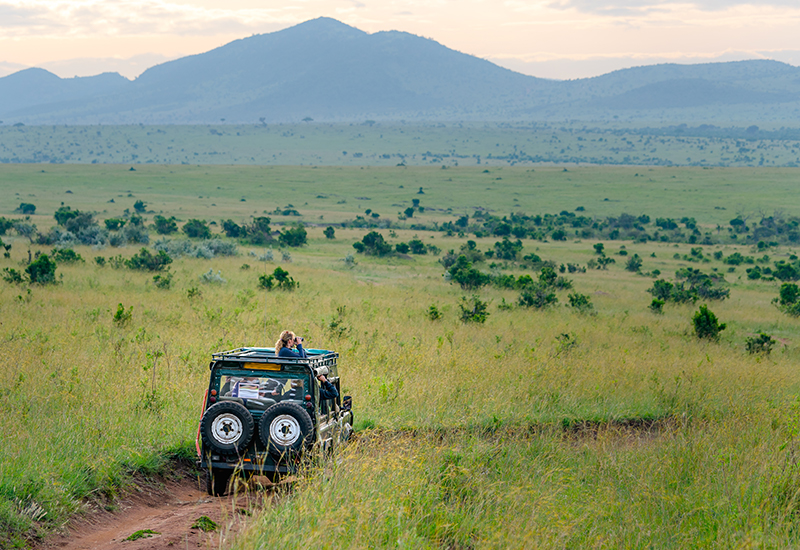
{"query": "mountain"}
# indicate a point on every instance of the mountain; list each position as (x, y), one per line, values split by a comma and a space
(330, 71)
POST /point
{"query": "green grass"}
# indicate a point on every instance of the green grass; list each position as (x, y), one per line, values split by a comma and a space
(386, 144)
(472, 435)
(334, 194)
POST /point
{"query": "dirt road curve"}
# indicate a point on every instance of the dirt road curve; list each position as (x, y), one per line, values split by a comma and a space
(170, 508)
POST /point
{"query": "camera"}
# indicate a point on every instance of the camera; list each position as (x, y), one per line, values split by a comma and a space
(321, 371)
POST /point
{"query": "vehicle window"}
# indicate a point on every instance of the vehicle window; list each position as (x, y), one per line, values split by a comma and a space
(255, 387)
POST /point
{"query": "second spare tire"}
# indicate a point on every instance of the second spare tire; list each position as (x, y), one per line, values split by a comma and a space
(285, 429)
(227, 428)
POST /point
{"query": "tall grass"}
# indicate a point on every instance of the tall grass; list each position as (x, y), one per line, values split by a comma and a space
(628, 432)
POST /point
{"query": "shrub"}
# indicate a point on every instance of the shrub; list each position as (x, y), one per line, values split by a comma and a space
(66, 256)
(473, 310)
(433, 313)
(193, 292)
(145, 261)
(196, 229)
(657, 306)
(100, 261)
(165, 226)
(5, 225)
(402, 248)
(330, 232)
(759, 344)
(122, 317)
(373, 244)
(140, 206)
(279, 279)
(42, 271)
(232, 229)
(211, 278)
(706, 325)
(132, 233)
(258, 232)
(789, 294)
(163, 281)
(581, 302)
(598, 248)
(467, 276)
(507, 249)
(537, 296)
(294, 237)
(789, 299)
(548, 276)
(26, 208)
(634, 263)
(13, 276)
(114, 224)
(417, 246)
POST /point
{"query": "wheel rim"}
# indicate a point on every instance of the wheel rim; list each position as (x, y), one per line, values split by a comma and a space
(227, 429)
(284, 430)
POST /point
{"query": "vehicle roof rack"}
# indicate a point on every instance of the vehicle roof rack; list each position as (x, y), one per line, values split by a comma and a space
(316, 357)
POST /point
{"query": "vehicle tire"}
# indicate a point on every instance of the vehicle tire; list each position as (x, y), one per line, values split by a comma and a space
(285, 429)
(217, 481)
(227, 428)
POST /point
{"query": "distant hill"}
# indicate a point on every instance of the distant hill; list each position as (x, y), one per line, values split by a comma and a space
(328, 71)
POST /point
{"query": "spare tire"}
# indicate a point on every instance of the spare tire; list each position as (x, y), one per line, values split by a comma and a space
(285, 429)
(227, 428)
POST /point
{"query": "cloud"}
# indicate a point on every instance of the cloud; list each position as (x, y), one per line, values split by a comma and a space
(92, 18)
(642, 7)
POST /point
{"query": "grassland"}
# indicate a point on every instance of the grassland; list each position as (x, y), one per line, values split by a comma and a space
(628, 433)
(382, 144)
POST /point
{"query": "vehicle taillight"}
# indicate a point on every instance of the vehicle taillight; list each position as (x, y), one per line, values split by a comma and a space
(308, 397)
(213, 392)
(212, 399)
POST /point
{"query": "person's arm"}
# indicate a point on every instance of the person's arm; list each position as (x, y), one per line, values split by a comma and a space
(286, 352)
(302, 352)
(328, 391)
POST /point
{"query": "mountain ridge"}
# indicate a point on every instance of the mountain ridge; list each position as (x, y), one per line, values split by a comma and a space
(329, 71)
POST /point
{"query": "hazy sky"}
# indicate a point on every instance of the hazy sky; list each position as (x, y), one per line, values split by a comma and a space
(548, 38)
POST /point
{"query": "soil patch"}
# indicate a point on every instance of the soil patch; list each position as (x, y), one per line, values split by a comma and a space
(168, 508)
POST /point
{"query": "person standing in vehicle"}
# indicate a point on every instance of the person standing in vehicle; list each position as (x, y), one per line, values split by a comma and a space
(287, 341)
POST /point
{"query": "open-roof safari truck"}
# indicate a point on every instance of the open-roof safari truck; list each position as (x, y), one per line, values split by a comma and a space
(262, 413)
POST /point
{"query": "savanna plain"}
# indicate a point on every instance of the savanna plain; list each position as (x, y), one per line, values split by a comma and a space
(599, 422)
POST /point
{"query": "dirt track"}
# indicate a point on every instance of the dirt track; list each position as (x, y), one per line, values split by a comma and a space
(170, 508)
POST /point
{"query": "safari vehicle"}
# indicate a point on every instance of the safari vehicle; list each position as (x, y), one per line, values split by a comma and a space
(262, 413)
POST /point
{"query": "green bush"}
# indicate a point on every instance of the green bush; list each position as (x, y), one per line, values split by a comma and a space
(66, 256)
(279, 280)
(294, 237)
(145, 261)
(467, 276)
(706, 324)
(196, 229)
(122, 317)
(581, 303)
(42, 271)
(373, 244)
(165, 226)
(759, 344)
(433, 313)
(114, 224)
(330, 232)
(473, 310)
(657, 306)
(13, 276)
(26, 208)
(163, 281)
(537, 296)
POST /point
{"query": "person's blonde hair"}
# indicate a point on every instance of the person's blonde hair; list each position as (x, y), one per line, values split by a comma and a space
(286, 337)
